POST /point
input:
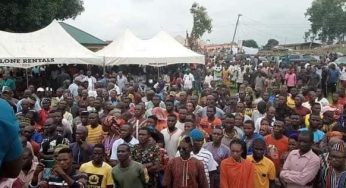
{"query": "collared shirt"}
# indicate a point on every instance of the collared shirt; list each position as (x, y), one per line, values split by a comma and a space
(299, 170)
(26, 178)
(264, 171)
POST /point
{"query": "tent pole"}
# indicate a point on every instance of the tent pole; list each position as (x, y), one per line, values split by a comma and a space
(27, 78)
(158, 73)
(104, 66)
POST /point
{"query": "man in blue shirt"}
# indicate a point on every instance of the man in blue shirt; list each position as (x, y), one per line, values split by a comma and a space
(10, 145)
(250, 135)
(315, 123)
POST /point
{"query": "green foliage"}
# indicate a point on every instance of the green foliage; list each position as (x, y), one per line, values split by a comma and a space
(250, 43)
(270, 44)
(201, 21)
(327, 19)
(31, 15)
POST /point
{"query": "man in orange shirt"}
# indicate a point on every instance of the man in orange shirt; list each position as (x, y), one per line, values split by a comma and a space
(208, 123)
(277, 144)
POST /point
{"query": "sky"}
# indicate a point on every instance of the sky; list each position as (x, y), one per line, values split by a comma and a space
(261, 20)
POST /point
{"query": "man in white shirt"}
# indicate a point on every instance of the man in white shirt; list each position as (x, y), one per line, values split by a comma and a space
(171, 136)
(188, 80)
(126, 132)
(91, 81)
(74, 87)
(121, 81)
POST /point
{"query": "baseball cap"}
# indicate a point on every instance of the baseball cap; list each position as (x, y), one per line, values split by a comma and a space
(40, 89)
(6, 89)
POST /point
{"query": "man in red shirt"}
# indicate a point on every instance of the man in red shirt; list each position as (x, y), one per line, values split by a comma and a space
(209, 122)
(277, 144)
(299, 108)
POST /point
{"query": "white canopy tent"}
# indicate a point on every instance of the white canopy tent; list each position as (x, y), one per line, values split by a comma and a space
(50, 45)
(250, 51)
(161, 50)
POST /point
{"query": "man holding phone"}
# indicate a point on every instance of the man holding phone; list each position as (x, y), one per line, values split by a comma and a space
(63, 174)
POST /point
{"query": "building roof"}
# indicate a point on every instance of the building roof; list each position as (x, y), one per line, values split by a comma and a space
(301, 44)
(81, 36)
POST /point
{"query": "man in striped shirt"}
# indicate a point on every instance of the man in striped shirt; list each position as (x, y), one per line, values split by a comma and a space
(203, 155)
(94, 129)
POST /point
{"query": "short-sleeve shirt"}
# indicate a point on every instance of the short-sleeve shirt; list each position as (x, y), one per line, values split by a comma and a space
(264, 171)
(276, 148)
(171, 141)
(10, 145)
(116, 143)
(98, 177)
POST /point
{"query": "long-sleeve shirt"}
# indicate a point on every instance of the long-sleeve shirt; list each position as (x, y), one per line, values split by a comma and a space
(299, 170)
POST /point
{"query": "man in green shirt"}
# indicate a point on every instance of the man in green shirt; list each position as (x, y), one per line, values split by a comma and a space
(7, 81)
(128, 173)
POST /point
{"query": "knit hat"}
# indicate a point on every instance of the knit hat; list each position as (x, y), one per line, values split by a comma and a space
(196, 134)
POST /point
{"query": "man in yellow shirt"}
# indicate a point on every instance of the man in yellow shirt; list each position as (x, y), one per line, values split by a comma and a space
(99, 173)
(290, 99)
(94, 129)
(265, 174)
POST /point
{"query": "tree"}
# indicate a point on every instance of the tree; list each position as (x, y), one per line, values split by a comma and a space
(201, 23)
(31, 15)
(327, 19)
(250, 43)
(270, 44)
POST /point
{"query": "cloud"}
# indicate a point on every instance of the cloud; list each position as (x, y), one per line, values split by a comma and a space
(261, 20)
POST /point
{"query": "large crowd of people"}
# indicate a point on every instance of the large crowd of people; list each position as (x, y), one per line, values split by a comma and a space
(228, 125)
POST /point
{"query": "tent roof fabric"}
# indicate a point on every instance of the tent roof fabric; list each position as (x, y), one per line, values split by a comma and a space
(81, 36)
(161, 50)
(50, 45)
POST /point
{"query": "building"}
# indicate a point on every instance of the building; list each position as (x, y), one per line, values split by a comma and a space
(300, 46)
(89, 41)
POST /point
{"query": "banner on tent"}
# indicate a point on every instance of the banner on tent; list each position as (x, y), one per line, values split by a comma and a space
(27, 61)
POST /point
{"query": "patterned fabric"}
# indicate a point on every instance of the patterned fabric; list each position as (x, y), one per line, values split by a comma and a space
(150, 154)
(333, 179)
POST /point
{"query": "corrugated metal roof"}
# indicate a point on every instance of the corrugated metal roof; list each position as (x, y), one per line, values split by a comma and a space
(81, 36)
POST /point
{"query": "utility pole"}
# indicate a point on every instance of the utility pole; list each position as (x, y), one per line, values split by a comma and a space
(235, 32)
